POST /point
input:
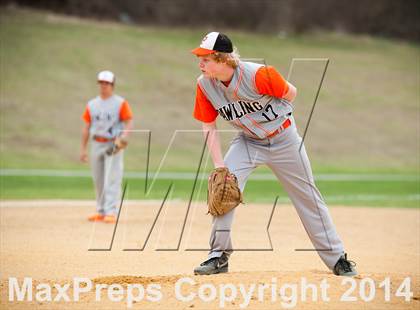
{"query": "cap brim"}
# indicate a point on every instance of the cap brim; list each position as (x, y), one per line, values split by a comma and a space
(199, 51)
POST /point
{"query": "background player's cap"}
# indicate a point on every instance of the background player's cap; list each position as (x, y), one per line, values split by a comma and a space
(106, 76)
(214, 42)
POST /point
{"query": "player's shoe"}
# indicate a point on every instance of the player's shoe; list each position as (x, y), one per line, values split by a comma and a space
(110, 219)
(213, 265)
(96, 217)
(345, 267)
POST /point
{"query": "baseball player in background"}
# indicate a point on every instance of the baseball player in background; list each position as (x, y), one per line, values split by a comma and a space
(257, 100)
(108, 118)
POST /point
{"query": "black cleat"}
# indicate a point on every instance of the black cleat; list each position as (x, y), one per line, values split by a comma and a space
(213, 266)
(345, 267)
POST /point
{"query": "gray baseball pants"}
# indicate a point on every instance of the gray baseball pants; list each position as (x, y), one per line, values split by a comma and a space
(292, 168)
(107, 172)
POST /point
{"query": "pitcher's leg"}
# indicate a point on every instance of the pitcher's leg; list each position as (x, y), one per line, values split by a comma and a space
(238, 163)
(293, 170)
(220, 236)
(113, 179)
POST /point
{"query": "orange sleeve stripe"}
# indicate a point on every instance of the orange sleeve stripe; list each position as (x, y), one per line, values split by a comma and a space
(86, 115)
(270, 82)
(125, 112)
(203, 109)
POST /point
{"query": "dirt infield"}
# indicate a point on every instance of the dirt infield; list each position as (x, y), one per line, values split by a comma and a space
(50, 241)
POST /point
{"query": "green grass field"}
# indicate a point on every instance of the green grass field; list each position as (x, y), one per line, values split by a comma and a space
(356, 193)
(366, 119)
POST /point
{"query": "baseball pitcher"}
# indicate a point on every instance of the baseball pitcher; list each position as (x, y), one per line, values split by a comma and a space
(257, 100)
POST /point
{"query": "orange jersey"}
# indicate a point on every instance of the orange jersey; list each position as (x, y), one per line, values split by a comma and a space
(106, 116)
(125, 113)
(268, 81)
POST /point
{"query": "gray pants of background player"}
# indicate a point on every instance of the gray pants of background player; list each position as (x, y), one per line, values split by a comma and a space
(107, 171)
(281, 155)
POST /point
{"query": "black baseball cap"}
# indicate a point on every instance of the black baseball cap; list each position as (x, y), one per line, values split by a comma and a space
(214, 42)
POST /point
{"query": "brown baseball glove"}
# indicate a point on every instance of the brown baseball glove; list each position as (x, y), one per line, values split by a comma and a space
(117, 146)
(223, 192)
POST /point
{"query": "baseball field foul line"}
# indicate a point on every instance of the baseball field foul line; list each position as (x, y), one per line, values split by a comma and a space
(333, 177)
(91, 203)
